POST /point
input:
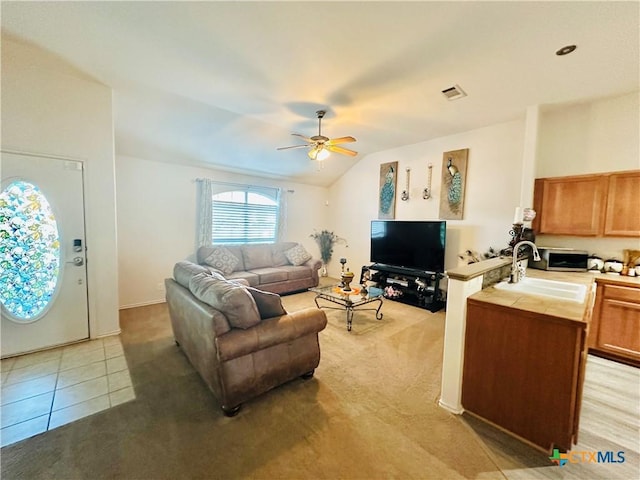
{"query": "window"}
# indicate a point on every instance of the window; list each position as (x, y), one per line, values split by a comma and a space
(30, 252)
(244, 216)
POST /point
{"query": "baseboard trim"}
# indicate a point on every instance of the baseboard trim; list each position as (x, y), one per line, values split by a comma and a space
(141, 304)
(456, 410)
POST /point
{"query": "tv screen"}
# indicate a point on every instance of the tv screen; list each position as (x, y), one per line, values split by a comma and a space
(410, 244)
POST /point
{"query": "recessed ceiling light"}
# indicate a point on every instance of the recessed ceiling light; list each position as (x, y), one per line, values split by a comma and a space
(566, 50)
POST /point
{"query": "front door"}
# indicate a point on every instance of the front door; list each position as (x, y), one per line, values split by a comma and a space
(43, 276)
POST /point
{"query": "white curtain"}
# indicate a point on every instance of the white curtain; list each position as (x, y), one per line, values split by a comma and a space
(204, 217)
(282, 214)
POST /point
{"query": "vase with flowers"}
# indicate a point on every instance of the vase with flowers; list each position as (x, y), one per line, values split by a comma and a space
(326, 240)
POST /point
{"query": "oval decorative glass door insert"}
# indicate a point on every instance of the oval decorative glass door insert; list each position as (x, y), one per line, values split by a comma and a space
(29, 252)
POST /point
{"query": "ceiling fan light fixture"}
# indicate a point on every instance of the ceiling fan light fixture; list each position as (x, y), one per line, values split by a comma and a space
(320, 147)
(318, 153)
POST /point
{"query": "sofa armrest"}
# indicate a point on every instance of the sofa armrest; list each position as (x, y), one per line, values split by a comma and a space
(186, 310)
(315, 265)
(269, 332)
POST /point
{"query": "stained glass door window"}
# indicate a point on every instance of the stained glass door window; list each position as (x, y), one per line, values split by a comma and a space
(29, 252)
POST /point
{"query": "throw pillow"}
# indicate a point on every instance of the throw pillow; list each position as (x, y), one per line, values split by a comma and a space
(297, 255)
(269, 304)
(222, 259)
(230, 298)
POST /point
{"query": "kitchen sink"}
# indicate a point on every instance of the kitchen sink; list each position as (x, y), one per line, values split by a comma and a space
(547, 288)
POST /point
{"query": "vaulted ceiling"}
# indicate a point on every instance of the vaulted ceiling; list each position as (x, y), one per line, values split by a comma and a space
(226, 83)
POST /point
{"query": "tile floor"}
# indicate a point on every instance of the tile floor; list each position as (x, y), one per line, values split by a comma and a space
(44, 390)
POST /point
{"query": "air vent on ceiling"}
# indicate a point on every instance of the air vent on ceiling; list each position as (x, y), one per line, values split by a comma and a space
(453, 93)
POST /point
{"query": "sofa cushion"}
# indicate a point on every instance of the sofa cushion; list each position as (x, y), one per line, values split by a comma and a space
(269, 304)
(278, 257)
(183, 271)
(297, 255)
(296, 273)
(270, 275)
(251, 279)
(230, 298)
(257, 256)
(222, 259)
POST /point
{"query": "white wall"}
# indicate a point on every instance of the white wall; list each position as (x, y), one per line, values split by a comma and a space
(593, 137)
(50, 108)
(157, 221)
(492, 192)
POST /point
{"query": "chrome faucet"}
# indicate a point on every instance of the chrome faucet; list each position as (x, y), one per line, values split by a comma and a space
(515, 270)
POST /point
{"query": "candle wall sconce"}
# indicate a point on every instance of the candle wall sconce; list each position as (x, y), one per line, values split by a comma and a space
(426, 193)
(405, 193)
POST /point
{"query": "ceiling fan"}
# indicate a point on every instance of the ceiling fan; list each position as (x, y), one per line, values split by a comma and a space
(320, 146)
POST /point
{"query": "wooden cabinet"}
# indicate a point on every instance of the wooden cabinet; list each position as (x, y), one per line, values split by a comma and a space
(615, 324)
(623, 205)
(605, 204)
(523, 371)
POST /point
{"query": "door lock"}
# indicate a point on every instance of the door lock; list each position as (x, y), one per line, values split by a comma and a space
(77, 261)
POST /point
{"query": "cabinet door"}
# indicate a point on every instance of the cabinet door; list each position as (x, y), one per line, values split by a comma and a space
(623, 205)
(619, 322)
(573, 205)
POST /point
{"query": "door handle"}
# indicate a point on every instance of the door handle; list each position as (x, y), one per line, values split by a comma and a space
(77, 261)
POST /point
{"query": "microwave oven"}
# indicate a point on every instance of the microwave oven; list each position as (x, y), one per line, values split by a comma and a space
(561, 260)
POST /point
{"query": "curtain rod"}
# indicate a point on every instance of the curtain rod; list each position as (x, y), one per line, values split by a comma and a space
(234, 184)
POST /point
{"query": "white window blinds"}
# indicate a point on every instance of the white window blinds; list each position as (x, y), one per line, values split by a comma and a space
(245, 216)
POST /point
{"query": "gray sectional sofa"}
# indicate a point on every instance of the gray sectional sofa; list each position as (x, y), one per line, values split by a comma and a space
(282, 267)
(239, 339)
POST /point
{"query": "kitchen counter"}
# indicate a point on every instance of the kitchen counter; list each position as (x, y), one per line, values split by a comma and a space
(622, 280)
(565, 309)
(524, 360)
(470, 282)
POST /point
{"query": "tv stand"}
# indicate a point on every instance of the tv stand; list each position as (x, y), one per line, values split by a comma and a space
(415, 287)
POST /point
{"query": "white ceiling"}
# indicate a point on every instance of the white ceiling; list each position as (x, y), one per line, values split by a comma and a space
(225, 83)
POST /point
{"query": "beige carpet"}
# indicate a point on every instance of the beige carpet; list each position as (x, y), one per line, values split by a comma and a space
(370, 412)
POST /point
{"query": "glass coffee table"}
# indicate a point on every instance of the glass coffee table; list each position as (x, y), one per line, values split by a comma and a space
(349, 301)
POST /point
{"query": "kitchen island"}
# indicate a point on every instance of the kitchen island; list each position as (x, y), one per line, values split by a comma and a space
(524, 360)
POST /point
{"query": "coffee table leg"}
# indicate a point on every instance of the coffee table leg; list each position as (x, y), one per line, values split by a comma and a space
(349, 318)
(378, 314)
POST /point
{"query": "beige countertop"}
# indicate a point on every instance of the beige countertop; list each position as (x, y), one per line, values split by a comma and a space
(565, 309)
(467, 272)
(613, 279)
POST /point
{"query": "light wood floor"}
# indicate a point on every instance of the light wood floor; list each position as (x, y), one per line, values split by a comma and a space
(609, 422)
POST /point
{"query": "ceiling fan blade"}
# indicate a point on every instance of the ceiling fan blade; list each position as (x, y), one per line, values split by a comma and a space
(305, 138)
(292, 146)
(342, 150)
(336, 141)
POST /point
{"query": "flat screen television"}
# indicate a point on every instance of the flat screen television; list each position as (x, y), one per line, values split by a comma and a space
(417, 245)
